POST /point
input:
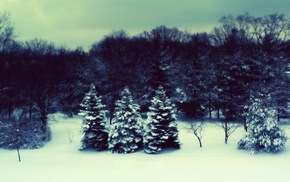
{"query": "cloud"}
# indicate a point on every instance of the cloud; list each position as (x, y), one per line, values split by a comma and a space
(82, 22)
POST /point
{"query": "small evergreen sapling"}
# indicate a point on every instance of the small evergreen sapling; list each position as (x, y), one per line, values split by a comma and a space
(263, 135)
(94, 124)
(161, 131)
(126, 132)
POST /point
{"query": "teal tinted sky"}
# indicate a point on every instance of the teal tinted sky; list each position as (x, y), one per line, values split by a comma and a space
(75, 23)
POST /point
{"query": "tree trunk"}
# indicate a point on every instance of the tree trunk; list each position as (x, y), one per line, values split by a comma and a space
(30, 106)
(30, 111)
(245, 126)
(18, 152)
(209, 105)
(226, 138)
(200, 143)
(226, 131)
(43, 118)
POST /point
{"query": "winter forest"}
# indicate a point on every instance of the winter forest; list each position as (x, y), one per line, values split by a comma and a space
(131, 90)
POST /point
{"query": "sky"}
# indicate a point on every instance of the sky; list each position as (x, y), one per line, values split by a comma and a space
(80, 23)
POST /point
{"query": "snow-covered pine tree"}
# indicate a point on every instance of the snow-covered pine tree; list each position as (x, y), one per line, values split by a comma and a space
(126, 133)
(161, 131)
(94, 123)
(264, 134)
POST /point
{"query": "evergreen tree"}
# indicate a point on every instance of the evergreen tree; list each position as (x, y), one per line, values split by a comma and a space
(94, 124)
(263, 135)
(161, 131)
(126, 131)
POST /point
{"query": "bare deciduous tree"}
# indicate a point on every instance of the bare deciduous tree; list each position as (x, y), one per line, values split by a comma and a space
(228, 127)
(253, 28)
(6, 30)
(197, 128)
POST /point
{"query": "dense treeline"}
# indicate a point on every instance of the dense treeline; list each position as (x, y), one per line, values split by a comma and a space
(201, 72)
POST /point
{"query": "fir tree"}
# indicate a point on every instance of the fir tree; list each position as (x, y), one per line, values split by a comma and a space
(263, 135)
(94, 124)
(161, 131)
(127, 130)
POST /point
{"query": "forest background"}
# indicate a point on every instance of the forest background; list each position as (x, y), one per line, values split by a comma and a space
(202, 73)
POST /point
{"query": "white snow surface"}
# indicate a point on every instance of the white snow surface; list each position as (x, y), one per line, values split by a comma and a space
(61, 161)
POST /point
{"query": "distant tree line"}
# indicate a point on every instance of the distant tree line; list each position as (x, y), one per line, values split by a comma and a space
(202, 73)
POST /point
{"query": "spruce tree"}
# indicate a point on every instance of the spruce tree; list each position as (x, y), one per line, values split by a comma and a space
(126, 132)
(161, 131)
(264, 134)
(94, 123)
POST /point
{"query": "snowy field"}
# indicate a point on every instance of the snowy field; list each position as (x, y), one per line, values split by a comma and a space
(61, 161)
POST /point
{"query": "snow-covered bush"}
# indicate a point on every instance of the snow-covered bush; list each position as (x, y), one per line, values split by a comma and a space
(161, 130)
(127, 128)
(25, 134)
(263, 135)
(94, 123)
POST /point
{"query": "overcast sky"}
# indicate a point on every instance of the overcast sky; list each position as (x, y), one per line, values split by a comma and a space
(75, 23)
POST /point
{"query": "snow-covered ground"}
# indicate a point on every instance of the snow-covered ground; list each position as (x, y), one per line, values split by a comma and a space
(61, 161)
